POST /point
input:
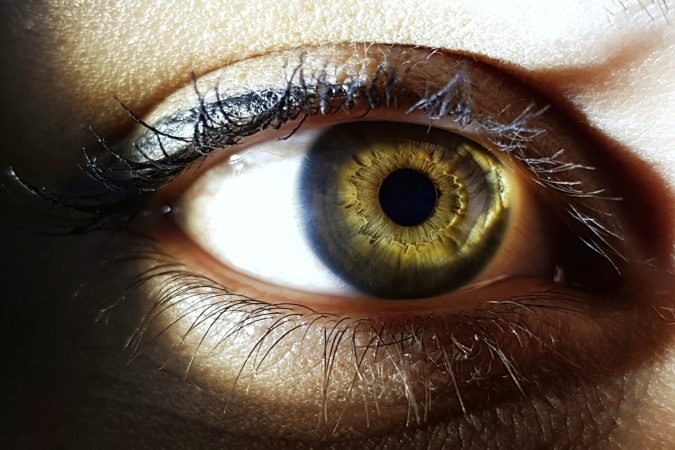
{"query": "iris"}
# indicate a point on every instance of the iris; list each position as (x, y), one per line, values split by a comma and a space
(401, 210)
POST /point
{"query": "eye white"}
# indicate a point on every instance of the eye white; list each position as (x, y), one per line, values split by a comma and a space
(248, 214)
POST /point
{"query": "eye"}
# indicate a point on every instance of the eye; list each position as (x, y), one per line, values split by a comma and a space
(410, 191)
(373, 237)
(385, 209)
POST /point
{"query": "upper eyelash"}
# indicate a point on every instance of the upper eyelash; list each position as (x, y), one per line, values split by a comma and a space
(222, 123)
(123, 183)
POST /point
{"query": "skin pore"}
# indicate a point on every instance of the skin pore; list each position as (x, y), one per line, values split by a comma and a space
(609, 65)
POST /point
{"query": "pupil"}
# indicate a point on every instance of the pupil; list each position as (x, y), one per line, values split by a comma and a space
(407, 197)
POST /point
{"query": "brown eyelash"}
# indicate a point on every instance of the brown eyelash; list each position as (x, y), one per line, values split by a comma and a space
(486, 347)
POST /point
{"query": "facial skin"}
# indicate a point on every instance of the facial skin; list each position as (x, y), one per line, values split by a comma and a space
(610, 66)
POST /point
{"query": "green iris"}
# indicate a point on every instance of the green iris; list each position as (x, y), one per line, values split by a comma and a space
(401, 210)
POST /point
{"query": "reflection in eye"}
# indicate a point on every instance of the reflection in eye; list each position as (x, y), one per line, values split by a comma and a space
(390, 209)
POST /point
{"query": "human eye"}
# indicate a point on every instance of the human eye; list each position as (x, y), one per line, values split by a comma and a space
(505, 343)
(343, 229)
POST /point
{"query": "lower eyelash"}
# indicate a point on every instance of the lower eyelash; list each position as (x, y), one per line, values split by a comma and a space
(492, 345)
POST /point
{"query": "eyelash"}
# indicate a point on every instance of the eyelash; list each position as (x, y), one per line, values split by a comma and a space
(127, 184)
(481, 344)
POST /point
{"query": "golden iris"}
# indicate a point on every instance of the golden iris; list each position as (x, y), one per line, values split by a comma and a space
(401, 210)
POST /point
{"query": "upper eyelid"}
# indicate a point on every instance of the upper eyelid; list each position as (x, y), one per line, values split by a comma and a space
(303, 96)
(142, 164)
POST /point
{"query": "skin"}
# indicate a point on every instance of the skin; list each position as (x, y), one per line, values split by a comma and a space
(613, 70)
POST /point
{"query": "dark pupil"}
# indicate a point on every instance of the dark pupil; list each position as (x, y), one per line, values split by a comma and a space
(408, 197)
